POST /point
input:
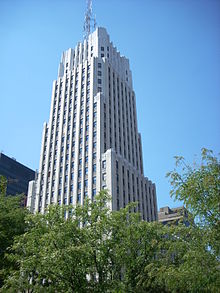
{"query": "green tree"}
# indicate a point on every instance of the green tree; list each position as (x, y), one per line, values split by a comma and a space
(65, 255)
(12, 223)
(198, 186)
(95, 249)
(182, 262)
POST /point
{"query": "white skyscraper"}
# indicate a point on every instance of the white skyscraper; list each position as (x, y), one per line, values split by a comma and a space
(91, 141)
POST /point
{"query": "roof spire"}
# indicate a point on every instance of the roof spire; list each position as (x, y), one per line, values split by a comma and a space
(90, 21)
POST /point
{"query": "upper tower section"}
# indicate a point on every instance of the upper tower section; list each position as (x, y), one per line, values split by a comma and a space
(97, 45)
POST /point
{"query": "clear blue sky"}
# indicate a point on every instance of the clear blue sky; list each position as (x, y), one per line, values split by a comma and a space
(174, 53)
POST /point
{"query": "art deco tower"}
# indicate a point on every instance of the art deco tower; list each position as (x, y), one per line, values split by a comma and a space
(91, 141)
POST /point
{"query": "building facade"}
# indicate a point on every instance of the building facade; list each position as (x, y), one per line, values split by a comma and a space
(169, 216)
(18, 175)
(91, 141)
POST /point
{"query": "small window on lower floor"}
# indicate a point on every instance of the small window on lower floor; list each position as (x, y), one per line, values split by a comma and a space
(93, 193)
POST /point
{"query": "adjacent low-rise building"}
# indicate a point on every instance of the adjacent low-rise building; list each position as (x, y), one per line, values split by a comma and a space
(17, 175)
(168, 216)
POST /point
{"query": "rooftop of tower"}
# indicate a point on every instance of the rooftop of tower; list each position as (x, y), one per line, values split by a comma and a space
(97, 45)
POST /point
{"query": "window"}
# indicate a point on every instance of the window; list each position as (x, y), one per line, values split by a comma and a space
(78, 197)
(93, 193)
(94, 180)
(94, 155)
(94, 168)
(86, 170)
(102, 55)
(102, 48)
(99, 65)
(86, 183)
(104, 164)
(80, 173)
(99, 81)
(79, 185)
(71, 199)
(99, 73)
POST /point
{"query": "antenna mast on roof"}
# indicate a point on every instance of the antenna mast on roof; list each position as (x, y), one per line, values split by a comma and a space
(89, 20)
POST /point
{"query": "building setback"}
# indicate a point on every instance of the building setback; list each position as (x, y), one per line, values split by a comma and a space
(17, 175)
(169, 216)
(91, 141)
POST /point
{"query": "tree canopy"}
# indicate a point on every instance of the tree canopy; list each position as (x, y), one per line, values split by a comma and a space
(198, 186)
(99, 250)
(12, 223)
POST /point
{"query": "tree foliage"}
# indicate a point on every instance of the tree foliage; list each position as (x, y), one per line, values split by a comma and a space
(99, 250)
(12, 223)
(198, 186)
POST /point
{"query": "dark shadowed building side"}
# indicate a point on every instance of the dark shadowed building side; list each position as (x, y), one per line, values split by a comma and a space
(17, 175)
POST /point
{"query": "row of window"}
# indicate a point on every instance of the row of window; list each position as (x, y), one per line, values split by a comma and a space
(130, 177)
(126, 109)
(65, 199)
